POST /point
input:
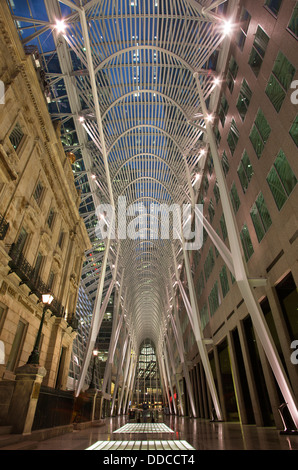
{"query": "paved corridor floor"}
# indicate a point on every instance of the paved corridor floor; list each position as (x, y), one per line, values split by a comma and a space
(200, 434)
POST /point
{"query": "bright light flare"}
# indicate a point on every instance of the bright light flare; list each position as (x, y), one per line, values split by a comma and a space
(227, 27)
(60, 26)
(216, 81)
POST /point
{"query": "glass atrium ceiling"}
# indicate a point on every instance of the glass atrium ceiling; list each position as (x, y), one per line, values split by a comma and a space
(121, 80)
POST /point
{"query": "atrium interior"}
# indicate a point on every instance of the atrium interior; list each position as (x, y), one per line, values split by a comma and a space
(148, 225)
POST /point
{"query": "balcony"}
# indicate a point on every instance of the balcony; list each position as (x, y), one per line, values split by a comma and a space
(27, 274)
(4, 225)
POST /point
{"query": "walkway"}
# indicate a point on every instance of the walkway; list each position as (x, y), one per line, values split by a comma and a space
(197, 433)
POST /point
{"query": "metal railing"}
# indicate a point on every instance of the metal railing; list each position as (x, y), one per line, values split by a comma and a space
(29, 276)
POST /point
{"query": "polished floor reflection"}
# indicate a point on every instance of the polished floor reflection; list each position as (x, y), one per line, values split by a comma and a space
(160, 445)
(144, 427)
(200, 434)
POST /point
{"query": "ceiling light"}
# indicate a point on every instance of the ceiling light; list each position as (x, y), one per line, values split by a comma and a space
(60, 26)
(227, 27)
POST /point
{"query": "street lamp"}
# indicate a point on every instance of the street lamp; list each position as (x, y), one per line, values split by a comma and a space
(34, 356)
(95, 354)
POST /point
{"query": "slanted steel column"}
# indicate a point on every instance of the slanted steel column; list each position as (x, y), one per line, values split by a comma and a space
(194, 313)
(240, 268)
(164, 378)
(129, 382)
(114, 337)
(169, 378)
(171, 360)
(179, 340)
(122, 355)
(127, 365)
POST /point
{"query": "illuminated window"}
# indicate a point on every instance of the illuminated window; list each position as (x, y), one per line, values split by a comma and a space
(280, 81)
(293, 25)
(260, 217)
(16, 136)
(258, 50)
(281, 180)
(273, 6)
(260, 133)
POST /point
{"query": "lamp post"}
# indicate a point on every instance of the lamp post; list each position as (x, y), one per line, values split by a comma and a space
(95, 354)
(34, 356)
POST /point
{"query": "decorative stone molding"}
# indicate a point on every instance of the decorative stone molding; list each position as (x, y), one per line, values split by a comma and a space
(31, 217)
(73, 281)
(8, 164)
(57, 262)
(45, 246)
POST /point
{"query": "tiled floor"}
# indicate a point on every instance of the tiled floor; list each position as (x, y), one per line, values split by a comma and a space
(200, 434)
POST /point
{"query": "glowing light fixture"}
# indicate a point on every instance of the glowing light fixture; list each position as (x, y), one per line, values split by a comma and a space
(47, 299)
(227, 27)
(60, 26)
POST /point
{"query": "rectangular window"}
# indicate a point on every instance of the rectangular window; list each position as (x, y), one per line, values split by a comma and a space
(38, 263)
(216, 191)
(246, 242)
(50, 219)
(244, 99)
(280, 81)
(224, 281)
(22, 238)
(38, 192)
(260, 133)
(200, 285)
(258, 50)
(209, 263)
(205, 184)
(223, 227)
(17, 345)
(294, 131)
(232, 73)
(51, 281)
(260, 217)
(223, 110)
(245, 171)
(235, 198)
(61, 239)
(214, 299)
(211, 210)
(273, 6)
(244, 21)
(293, 25)
(233, 137)
(225, 163)
(16, 136)
(281, 180)
(217, 135)
(204, 316)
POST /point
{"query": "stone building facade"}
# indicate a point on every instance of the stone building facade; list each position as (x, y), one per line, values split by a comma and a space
(42, 237)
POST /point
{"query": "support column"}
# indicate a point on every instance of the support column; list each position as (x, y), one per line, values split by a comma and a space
(127, 365)
(196, 326)
(178, 335)
(24, 399)
(169, 379)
